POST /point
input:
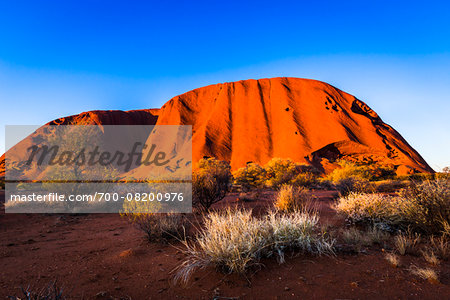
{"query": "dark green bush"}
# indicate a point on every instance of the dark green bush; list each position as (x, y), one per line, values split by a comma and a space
(250, 177)
(285, 171)
(210, 183)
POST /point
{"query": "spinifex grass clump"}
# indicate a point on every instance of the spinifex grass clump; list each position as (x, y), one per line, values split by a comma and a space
(372, 208)
(290, 198)
(155, 225)
(423, 207)
(234, 240)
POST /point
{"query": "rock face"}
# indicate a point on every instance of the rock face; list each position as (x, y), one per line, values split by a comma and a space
(256, 120)
(301, 119)
(102, 117)
(111, 117)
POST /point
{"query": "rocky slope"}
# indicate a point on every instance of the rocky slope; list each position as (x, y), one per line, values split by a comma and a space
(256, 120)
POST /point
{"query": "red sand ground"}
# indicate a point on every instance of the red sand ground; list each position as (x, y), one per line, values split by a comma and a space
(101, 256)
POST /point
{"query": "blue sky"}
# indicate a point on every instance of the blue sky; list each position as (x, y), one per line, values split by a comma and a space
(62, 58)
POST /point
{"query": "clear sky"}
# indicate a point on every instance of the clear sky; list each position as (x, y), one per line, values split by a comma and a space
(59, 58)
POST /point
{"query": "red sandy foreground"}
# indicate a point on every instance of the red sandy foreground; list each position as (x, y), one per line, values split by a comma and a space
(101, 256)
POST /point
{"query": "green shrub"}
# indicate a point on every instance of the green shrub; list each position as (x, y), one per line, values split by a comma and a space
(250, 177)
(285, 171)
(347, 170)
(280, 171)
(210, 182)
(304, 179)
(368, 171)
(429, 209)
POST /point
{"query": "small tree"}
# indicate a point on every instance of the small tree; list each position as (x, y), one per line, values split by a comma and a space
(251, 176)
(280, 171)
(210, 182)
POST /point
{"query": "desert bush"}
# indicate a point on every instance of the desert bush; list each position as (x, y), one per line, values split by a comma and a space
(285, 171)
(372, 208)
(290, 198)
(377, 236)
(231, 241)
(361, 170)
(250, 177)
(234, 240)
(428, 208)
(280, 171)
(210, 183)
(445, 174)
(423, 207)
(349, 169)
(358, 238)
(417, 177)
(159, 226)
(304, 179)
(325, 184)
(155, 225)
(355, 237)
(297, 231)
(349, 185)
(390, 186)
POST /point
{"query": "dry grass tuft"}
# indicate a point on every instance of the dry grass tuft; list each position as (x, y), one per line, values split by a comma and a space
(424, 207)
(425, 273)
(290, 198)
(407, 243)
(393, 259)
(357, 238)
(431, 258)
(370, 208)
(440, 246)
(377, 236)
(155, 225)
(353, 236)
(234, 240)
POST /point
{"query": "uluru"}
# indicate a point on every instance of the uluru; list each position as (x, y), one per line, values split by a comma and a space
(255, 120)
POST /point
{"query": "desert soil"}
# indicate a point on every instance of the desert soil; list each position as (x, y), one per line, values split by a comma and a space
(101, 256)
